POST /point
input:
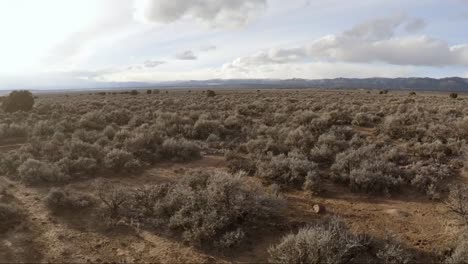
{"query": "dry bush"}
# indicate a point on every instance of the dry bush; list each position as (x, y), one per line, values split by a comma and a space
(79, 149)
(76, 132)
(13, 130)
(214, 209)
(34, 171)
(93, 120)
(368, 169)
(313, 183)
(9, 217)
(113, 197)
(365, 120)
(9, 163)
(204, 128)
(84, 166)
(119, 116)
(119, 160)
(428, 178)
(144, 145)
(59, 199)
(457, 201)
(236, 162)
(329, 243)
(179, 150)
(392, 252)
(43, 129)
(460, 253)
(286, 170)
(109, 132)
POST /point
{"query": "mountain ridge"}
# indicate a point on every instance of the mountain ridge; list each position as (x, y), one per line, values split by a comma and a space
(449, 84)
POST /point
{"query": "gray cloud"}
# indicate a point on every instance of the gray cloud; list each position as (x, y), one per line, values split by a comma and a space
(415, 25)
(153, 63)
(186, 55)
(373, 41)
(208, 48)
(384, 28)
(213, 12)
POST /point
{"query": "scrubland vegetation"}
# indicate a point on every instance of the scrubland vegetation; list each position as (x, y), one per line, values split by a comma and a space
(377, 144)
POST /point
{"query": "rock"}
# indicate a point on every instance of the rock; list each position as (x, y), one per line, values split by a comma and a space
(319, 208)
(396, 212)
(121, 252)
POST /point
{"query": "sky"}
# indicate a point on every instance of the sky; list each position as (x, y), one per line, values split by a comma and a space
(73, 43)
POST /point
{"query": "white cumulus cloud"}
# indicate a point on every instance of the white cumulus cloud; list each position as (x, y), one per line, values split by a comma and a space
(217, 13)
(375, 41)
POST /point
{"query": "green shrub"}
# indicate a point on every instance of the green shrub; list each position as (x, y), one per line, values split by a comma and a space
(18, 101)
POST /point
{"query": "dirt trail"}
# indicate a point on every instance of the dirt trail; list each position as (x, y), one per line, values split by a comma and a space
(36, 214)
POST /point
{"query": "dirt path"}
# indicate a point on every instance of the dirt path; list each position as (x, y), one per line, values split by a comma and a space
(37, 215)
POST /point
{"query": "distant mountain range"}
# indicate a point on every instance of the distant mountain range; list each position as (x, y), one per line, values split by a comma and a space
(418, 84)
(453, 84)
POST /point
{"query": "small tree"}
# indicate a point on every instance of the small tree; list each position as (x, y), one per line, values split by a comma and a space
(454, 95)
(134, 92)
(383, 92)
(18, 101)
(149, 91)
(210, 93)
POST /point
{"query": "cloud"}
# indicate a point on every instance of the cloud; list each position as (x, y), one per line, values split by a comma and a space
(318, 70)
(313, 70)
(186, 55)
(384, 28)
(208, 48)
(216, 13)
(369, 42)
(153, 63)
(415, 25)
(148, 64)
